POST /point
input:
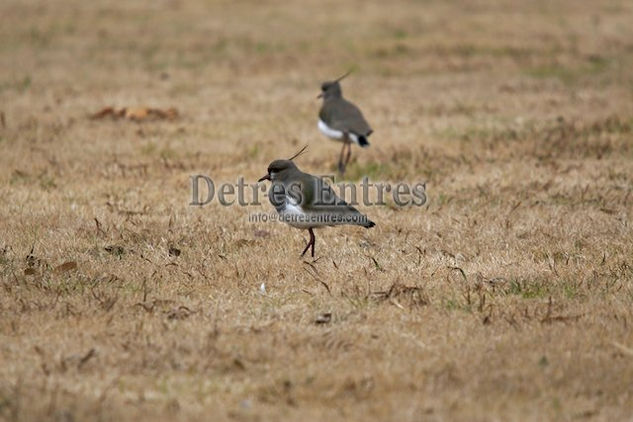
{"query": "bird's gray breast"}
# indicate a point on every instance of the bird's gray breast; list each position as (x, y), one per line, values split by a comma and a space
(277, 196)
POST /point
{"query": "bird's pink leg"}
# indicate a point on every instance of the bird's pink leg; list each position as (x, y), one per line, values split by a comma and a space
(349, 153)
(310, 243)
(341, 166)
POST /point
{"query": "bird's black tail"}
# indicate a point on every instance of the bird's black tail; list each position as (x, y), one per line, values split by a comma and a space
(362, 141)
(368, 223)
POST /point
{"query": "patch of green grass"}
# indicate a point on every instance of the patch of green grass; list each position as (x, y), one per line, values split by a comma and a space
(471, 50)
(447, 133)
(443, 199)
(372, 170)
(532, 289)
(39, 38)
(450, 304)
(397, 49)
(453, 304)
(552, 71)
(253, 152)
(528, 289)
(18, 176)
(20, 84)
(168, 153)
(400, 34)
(148, 149)
(570, 291)
(262, 47)
(477, 133)
(570, 75)
(4, 259)
(47, 182)
(358, 301)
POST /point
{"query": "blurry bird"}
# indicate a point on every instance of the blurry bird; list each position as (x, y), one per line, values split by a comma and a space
(307, 202)
(341, 120)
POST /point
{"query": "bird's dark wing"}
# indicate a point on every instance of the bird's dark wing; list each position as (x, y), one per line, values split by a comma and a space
(319, 198)
(346, 117)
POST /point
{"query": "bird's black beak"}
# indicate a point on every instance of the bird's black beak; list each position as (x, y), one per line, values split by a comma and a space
(320, 95)
(267, 177)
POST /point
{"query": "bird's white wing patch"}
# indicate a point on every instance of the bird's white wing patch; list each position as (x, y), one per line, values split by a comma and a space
(336, 134)
(296, 217)
(329, 132)
(293, 209)
(290, 200)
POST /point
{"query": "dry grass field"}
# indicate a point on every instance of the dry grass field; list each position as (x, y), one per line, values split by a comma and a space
(509, 296)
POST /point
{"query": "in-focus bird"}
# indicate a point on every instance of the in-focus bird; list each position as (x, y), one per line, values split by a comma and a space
(306, 202)
(342, 121)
